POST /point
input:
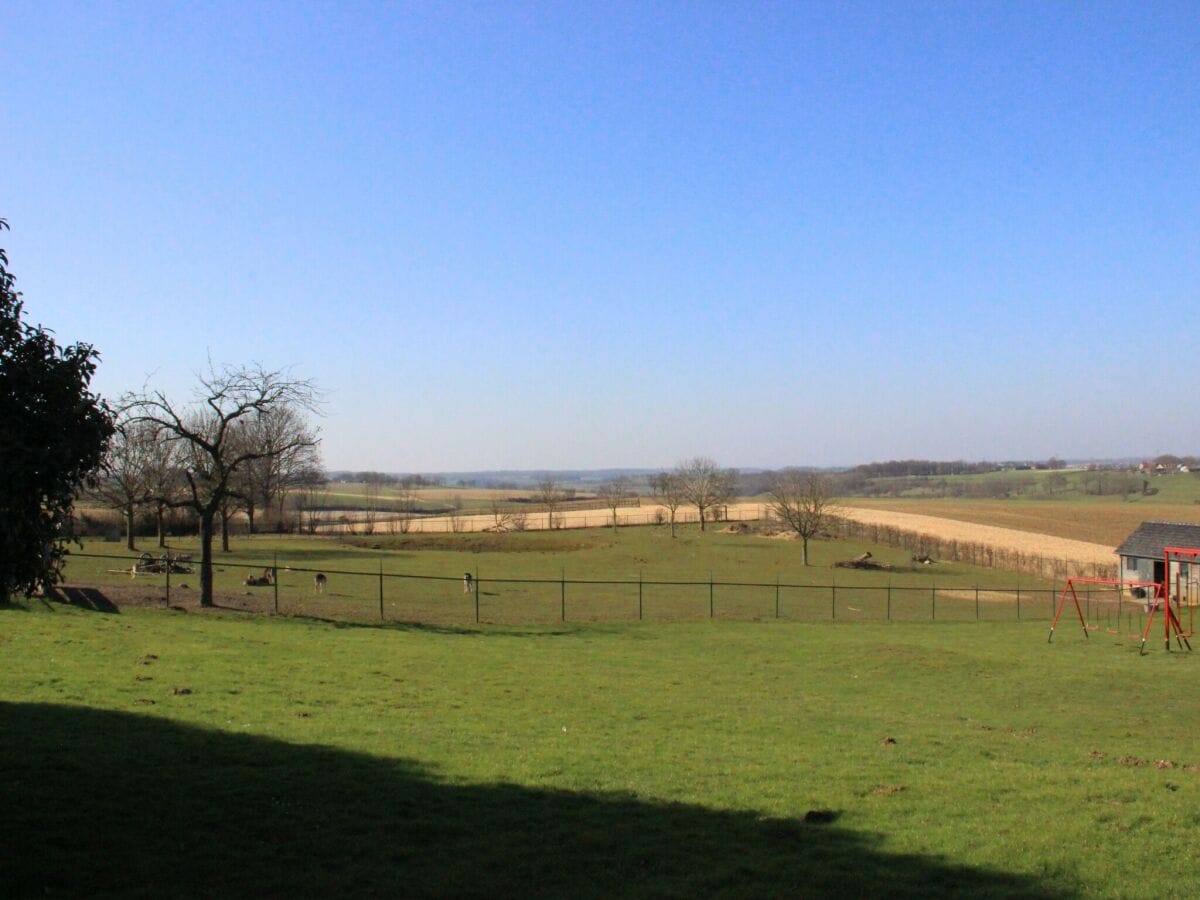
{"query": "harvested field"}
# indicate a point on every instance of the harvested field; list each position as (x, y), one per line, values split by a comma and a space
(1099, 521)
(1024, 542)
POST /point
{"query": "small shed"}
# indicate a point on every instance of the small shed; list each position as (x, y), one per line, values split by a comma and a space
(1142, 557)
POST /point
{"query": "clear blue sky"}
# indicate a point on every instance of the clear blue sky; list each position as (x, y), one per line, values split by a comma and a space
(605, 234)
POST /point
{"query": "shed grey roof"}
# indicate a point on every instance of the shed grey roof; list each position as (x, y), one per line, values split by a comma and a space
(1148, 539)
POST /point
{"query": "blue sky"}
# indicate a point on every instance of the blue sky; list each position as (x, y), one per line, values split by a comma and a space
(547, 236)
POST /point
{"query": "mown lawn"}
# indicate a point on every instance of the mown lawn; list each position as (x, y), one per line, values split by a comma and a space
(160, 753)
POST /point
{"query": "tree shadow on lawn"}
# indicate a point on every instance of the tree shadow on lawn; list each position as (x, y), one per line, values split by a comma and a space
(84, 597)
(99, 802)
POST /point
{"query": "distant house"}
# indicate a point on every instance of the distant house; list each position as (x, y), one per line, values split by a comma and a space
(1142, 557)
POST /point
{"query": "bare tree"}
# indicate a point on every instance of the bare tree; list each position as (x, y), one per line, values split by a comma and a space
(456, 516)
(704, 484)
(406, 506)
(264, 482)
(551, 495)
(613, 492)
(207, 432)
(372, 488)
(802, 501)
(310, 495)
(502, 517)
(226, 511)
(164, 482)
(668, 487)
(125, 480)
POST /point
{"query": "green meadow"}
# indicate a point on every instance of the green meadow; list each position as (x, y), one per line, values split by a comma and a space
(598, 574)
(160, 753)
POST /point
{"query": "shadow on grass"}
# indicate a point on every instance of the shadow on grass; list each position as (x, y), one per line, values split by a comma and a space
(83, 597)
(108, 803)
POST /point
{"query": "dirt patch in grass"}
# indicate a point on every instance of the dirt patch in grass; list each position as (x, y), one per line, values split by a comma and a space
(113, 598)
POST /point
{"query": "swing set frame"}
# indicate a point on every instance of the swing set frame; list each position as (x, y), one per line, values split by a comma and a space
(1162, 596)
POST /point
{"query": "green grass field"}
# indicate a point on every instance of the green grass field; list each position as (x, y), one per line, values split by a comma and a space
(522, 577)
(160, 753)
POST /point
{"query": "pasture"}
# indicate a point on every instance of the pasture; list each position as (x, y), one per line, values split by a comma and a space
(165, 753)
(582, 575)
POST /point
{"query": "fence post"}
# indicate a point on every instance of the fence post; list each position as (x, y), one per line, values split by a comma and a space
(777, 595)
(381, 590)
(933, 603)
(977, 601)
(1018, 601)
(833, 601)
(639, 595)
(889, 599)
(477, 595)
(562, 594)
(710, 594)
(168, 600)
(275, 579)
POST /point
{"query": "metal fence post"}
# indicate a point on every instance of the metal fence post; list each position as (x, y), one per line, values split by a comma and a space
(562, 594)
(710, 593)
(639, 595)
(933, 603)
(977, 601)
(1018, 601)
(168, 599)
(777, 595)
(833, 602)
(889, 599)
(275, 579)
(477, 595)
(381, 590)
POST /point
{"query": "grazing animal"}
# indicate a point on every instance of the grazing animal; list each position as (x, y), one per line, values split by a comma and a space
(468, 581)
(319, 582)
(265, 580)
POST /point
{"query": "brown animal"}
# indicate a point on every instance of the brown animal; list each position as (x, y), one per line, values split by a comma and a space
(319, 582)
(265, 580)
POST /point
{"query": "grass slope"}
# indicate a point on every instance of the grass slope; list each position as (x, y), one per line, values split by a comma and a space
(156, 753)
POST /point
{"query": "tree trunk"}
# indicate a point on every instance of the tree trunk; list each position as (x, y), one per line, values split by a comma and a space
(206, 571)
(224, 531)
(250, 515)
(672, 523)
(129, 526)
(804, 541)
(700, 509)
(160, 525)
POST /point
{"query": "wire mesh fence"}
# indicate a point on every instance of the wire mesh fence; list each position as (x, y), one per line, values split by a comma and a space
(270, 587)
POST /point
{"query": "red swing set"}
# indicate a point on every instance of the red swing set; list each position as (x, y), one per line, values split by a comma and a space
(1161, 596)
